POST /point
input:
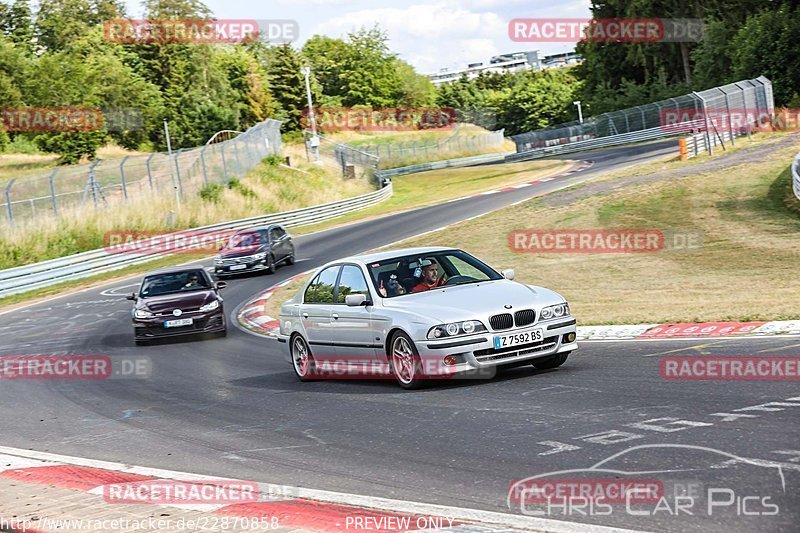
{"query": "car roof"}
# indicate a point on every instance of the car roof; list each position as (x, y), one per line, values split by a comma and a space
(257, 228)
(389, 254)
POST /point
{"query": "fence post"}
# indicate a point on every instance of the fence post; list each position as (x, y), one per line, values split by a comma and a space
(730, 118)
(149, 174)
(9, 210)
(122, 177)
(93, 181)
(705, 115)
(178, 171)
(203, 163)
(224, 163)
(53, 190)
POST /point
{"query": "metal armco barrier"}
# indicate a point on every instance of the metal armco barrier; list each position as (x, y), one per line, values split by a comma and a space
(447, 163)
(796, 176)
(22, 279)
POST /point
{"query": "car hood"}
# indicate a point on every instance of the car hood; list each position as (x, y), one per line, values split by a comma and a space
(450, 304)
(168, 302)
(242, 251)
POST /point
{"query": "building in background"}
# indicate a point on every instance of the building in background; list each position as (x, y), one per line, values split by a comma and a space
(506, 63)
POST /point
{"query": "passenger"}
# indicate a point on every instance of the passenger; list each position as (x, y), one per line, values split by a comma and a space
(393, 288)
(430, 277)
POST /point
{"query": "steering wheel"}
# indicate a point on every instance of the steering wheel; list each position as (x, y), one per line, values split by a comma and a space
(455, 280)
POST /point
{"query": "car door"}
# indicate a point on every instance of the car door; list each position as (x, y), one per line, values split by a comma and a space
(352, 326)
(315, 313)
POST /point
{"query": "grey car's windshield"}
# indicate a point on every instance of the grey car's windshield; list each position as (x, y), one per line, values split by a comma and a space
(174, 282)
(404, 275)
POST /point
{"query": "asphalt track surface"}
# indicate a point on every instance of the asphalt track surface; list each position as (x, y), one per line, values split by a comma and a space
(232, 407)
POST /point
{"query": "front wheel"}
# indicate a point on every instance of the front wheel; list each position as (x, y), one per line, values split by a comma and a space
(302, 360)
(270, 265)
(554, 361)
(405, 362)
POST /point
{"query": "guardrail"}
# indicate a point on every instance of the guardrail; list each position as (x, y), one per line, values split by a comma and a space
(796, 176)
(25, 278)
(447, 163)
(601, 142)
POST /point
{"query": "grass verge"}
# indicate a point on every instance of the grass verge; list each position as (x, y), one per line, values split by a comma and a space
(436, 186)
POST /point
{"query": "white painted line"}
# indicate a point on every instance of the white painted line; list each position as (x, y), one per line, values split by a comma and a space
(526, 523)
(14, 462)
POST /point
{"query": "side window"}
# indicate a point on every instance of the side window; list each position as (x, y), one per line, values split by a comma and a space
(310, 296)
(279, 232)
(272, 235)
(351, 282)
(327, 280)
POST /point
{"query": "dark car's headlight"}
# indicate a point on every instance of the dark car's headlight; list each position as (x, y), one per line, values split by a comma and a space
(258, 256)
(454, 329)
(555, 311)
(210, 306)
(143, 313)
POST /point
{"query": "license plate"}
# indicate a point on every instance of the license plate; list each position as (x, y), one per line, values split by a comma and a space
(516, 339)
(178, 323)
(237, 267)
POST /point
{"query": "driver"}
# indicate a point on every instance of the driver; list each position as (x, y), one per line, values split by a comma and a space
(193, 281)
(430, 277)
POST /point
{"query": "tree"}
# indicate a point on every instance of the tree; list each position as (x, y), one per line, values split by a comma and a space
(59, 23)
(288, 85)
(415, 90)
(18, 24)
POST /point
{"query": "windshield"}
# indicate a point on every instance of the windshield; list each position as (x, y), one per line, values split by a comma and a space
(245, 240)
(174, 282)
(404, 275)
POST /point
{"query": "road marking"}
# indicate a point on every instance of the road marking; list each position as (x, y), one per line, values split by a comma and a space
(460, 514)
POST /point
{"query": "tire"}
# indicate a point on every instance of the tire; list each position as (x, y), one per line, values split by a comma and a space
(290, 258)
(302, 359)
(554, 361)
(405, 363)
(270, 265)
(222, 334)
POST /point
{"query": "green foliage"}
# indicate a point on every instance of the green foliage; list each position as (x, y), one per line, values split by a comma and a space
(72, 146)
(212, 193)
(273, 160)
(236, 185)
(288, 85)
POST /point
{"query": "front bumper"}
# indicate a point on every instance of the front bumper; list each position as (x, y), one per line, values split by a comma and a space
(476, 352)
(153, 328)
(250, 266)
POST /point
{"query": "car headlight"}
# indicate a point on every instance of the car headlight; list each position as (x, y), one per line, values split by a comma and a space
(218, 261)
(142, 313)
(258, 256)
(210, 306)
(453, 329)
(555, 311)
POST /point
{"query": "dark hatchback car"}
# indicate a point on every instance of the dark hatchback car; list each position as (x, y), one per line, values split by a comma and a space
(177, 302)
(255, 249)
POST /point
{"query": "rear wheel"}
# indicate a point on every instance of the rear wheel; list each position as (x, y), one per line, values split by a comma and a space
(302, 360)
(290, 259)
(405, 362)
(554, 361)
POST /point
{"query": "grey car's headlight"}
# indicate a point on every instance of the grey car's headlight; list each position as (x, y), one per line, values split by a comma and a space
(258, 256)
(141, 313)
(454, 329)
(555, 311)
(210, 306)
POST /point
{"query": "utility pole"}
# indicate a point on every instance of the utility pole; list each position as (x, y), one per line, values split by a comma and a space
(313, 142)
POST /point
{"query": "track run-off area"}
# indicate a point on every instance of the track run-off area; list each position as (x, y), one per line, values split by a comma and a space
(233, 408)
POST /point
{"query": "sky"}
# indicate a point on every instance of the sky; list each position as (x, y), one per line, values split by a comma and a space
(430, 35)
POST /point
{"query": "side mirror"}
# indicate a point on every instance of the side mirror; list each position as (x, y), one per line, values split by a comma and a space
(508, 274)
(355, 300)
(220, 285)
(131, 297)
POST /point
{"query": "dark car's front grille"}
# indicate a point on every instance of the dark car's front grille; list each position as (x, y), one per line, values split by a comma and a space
(524, 318)
(502, 321)
(492, 354)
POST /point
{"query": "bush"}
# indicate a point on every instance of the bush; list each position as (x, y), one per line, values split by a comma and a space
(241, 188)
(212, 193)
(273, 160)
